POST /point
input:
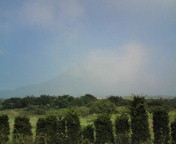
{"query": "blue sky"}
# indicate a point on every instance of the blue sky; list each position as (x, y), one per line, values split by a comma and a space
(128, 45)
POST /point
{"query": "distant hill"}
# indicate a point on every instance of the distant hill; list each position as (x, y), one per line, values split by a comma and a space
(64, 84)
(74, 85)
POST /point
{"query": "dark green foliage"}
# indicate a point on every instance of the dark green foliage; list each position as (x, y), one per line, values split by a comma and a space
(173, 132)
(30, 100)
(72, 128)
(13, 103)
(51, 129)
(45, 100)
(122, 129)
(1, 102)
(117, 100)
(35, 110)
(41, 131)
(4, 129)
(155, 103)
(22, 130)
(103, 129)
(63, 101)
(88, 134)
(87, 99)
(172, 103)
(42, 100)
(161, 126)
(84, 101)
(58, 130)
(102, 106)
(77, 102)
(46, 131)
(61, 130)
(139, 121)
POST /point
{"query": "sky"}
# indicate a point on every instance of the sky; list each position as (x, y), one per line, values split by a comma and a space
(122, 46)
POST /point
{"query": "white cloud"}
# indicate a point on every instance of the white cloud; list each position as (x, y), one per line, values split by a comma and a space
(121, 71)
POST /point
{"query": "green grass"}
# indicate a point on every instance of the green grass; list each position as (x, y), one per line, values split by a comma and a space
(172, 115)
(87, 120)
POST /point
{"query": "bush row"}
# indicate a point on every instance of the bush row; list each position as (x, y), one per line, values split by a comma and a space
(66, 128)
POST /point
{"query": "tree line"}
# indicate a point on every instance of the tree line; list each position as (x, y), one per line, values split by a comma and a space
(88, 100)
(64, 101)
(132, 128)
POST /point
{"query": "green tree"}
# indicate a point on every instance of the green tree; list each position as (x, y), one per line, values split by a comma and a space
(22, 130)
(46, 131)
(87, 99)
(12, 103)
(103, 129)
(102, 106)
(122, 129)
(117, 100)
(51, 129)
(61, 130)
(41, 132)
(160, 102)
(72, 127)
(46, 99)
(31, 100)
(64, 101)
(139, 121)
(4, 129)
(173, 131)
(1, 102)
(88, 134)
(161, 126)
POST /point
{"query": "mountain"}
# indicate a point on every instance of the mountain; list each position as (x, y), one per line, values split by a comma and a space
(75, 84)
(64, 84)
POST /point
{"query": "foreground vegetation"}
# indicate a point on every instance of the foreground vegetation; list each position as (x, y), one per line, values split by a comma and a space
(87, 119)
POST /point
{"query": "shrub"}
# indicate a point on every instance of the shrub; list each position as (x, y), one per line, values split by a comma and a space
(46, 131)
(173, 132)
(88, 134)
(41, 131)
(139, 121)
(22, 130)
(122, 129)
(51, 129)
(161, 126)
(103, 129)
(61, 130)
(4, 128)
(72, 128)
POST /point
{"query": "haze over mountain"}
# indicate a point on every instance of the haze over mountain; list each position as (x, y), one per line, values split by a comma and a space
(114, 47)
(103, 73)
